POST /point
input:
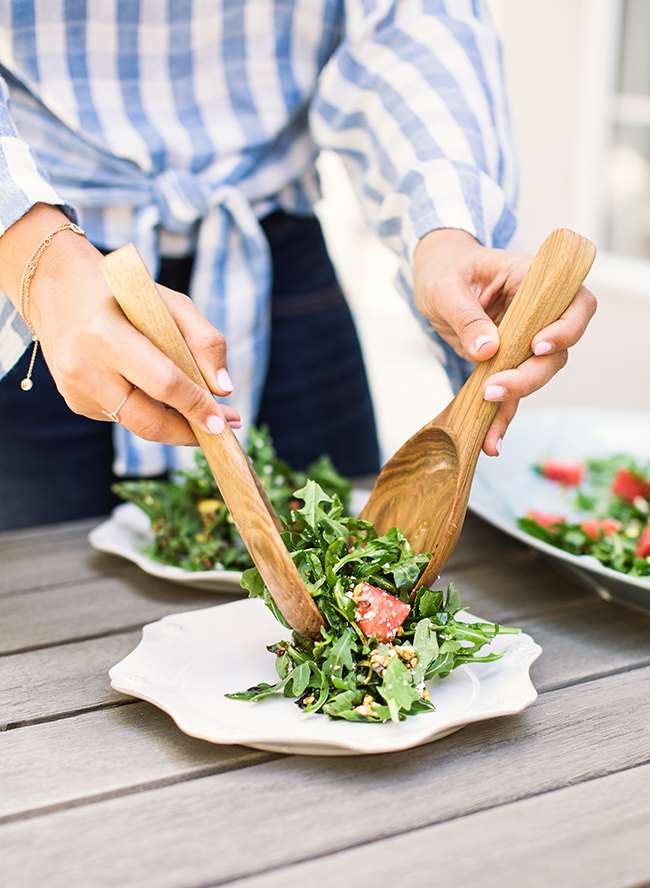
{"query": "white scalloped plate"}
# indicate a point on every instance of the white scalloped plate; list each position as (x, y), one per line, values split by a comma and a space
(185, 664)
(127, 533)
(506, 488)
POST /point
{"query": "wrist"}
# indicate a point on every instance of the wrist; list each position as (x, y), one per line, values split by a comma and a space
(18, 243)
(446, 241)
(68, 267)
(443, 258)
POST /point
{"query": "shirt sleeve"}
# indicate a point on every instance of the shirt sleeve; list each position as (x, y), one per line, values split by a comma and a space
(414, 101)
(22, 182)
(22, 185)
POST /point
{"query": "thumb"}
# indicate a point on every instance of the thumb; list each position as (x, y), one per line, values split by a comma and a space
(476, 332)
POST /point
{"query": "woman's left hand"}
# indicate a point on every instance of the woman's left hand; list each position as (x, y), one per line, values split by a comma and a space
(464, 289)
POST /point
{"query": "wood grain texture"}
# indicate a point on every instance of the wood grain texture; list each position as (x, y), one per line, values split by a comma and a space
(92, 608)
(243, 822)
(256, 521)
(588, 836)
(115, 735)
(99, 753)
(67, 679)
(68, 557)
(135, 802)
(582, 639)
(586, 639)
(582, 634)
(73, 611)
(423, 489)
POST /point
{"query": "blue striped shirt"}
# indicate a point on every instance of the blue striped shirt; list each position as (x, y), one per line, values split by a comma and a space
(178, 125)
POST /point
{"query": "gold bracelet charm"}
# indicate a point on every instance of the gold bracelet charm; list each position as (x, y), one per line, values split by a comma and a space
(25, 284)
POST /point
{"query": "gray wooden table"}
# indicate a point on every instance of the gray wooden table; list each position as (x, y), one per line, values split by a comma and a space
(100, 789)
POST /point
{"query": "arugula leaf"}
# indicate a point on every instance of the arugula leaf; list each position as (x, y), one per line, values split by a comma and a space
(259, 692)
(340, 654)
(425, 642)
(407, 572)
(254, 585)
(313, 496)
(453, 599)
(428, 602)
(298, 680)
(397, 688)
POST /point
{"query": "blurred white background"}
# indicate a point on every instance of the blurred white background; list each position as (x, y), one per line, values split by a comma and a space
(579, 79)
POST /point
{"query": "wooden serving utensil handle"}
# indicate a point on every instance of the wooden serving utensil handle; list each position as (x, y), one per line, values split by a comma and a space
(554, 277)
(139, 299)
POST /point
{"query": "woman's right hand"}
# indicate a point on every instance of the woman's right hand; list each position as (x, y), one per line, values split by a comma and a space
(96, 356)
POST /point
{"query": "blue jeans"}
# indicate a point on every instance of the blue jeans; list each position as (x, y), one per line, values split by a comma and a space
(57, 466)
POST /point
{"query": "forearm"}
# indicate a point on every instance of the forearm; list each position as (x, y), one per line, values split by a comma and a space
(67, 257)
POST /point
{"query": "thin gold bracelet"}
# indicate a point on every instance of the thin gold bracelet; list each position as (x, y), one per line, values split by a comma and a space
(25, 285)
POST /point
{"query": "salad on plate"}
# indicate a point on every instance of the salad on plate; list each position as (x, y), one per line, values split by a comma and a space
(191, 525)
(607, 514)
(384, 637)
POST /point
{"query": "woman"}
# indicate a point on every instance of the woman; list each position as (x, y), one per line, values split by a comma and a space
(192, 129)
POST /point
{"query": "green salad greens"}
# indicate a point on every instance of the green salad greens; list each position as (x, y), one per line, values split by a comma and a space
(612, 502)
(191, 525)
(383, 637)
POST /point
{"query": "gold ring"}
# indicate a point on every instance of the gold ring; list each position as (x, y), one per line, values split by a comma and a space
(114, 415)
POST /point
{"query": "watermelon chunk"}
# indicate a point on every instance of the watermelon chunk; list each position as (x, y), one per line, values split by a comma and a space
(628, 486)
(546, 519)
(643, 546)
(379, 614)
(594, 527)
(567, 473)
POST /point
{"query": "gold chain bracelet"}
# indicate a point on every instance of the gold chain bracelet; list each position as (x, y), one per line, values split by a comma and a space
(25, 285)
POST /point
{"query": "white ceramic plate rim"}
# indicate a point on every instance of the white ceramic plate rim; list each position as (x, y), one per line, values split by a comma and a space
(373, 739)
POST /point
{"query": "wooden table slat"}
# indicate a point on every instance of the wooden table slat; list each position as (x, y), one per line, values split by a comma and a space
(499, 590)
(89, 609)
(594, 835)
(53, 681)
(585, 731)
(40, 558)
(582, 640)
(133, 801)
(104, 752)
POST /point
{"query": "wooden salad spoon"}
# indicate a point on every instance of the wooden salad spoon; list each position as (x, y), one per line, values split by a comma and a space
(424, 488)
(241, 489)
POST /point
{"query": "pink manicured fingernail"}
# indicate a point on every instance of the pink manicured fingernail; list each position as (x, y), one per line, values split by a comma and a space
(224, 380)
(235, 424)
(480, 341)
(494, 392)
(499, 445)
(543, 348)
(215, 424)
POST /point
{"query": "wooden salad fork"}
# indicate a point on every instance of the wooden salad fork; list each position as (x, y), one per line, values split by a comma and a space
(241, 489)
(424, 488)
